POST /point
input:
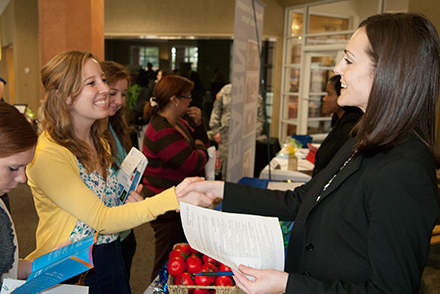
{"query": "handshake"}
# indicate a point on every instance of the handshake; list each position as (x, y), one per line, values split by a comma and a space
(197, 191)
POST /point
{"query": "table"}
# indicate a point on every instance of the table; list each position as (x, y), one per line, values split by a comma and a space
(279, 171)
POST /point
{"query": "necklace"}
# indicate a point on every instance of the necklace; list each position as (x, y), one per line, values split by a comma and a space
(334, 176)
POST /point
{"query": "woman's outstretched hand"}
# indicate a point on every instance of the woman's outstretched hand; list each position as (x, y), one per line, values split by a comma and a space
(199, 192)
(266, 281)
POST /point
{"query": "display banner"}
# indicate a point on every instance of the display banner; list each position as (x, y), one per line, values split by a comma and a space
(245, 79)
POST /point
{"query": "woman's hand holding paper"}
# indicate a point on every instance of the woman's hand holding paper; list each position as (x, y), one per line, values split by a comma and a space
(266, 280)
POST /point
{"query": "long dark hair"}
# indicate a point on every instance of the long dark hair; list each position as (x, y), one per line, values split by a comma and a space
(405, 86)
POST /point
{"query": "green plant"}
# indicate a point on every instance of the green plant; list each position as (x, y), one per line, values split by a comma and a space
(132, 96)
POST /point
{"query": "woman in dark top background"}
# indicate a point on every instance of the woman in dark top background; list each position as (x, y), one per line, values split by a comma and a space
(343, 121)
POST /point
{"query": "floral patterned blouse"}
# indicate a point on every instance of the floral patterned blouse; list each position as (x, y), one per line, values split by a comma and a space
(107, 191)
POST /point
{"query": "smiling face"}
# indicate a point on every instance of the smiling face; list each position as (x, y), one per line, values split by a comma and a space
(92, 103)
(356, 72)
(12, 169)
(118, 92)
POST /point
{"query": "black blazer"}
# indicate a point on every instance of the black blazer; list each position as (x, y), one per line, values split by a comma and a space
(370, 230)
(336, 138)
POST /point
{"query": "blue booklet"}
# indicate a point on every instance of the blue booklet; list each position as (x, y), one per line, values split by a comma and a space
(59, 265)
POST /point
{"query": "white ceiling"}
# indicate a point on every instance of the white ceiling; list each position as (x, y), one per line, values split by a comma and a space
(3, 4)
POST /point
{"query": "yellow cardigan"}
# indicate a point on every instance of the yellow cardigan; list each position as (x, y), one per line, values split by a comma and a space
(61, 198)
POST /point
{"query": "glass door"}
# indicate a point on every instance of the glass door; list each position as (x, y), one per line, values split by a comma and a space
(318, 69)
(302, 111)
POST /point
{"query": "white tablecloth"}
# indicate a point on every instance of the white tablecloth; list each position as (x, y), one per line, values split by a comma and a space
(279, 171)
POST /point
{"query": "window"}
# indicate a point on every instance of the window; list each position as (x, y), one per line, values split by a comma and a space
(184, 57)
(144, 55)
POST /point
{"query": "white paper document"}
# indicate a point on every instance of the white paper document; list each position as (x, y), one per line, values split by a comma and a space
(233, 238)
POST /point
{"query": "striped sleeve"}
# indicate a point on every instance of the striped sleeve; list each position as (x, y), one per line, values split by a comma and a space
(171, 158)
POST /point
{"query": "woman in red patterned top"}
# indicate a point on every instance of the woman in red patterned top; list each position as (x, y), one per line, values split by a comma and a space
(175, 150)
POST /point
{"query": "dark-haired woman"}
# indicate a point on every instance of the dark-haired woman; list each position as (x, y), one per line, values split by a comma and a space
(364, 223)
(174, 150)
(343, 121)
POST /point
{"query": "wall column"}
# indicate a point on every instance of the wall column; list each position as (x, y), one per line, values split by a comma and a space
(71, 25)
